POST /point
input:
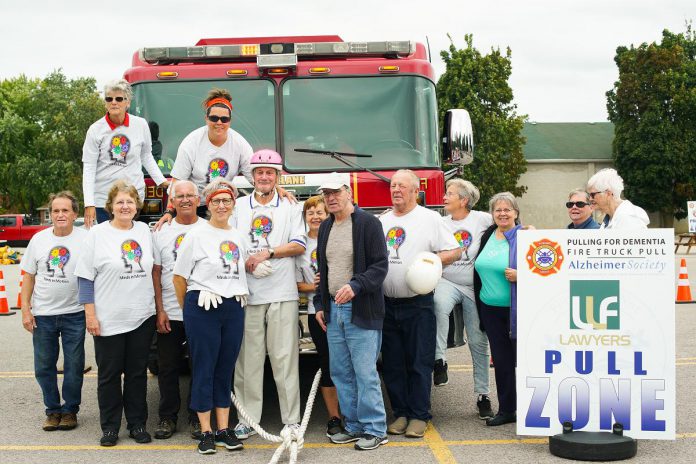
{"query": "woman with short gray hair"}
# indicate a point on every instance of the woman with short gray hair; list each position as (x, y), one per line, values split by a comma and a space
(495, 288)
(116, 146)
(605, 189)
(456, 287)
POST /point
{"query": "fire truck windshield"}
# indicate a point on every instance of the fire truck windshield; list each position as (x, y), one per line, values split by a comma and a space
(392, 118)
(174, 109)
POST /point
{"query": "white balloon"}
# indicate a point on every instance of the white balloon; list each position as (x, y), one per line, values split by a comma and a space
(424, 273)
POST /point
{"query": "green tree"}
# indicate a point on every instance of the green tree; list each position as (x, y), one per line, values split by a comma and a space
(43, 123)
(479, 84)
(653, 108)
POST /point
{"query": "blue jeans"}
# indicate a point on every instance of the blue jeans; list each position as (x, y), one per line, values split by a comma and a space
(353, 355)
(408, 350)
(70, 328)
(447, 296)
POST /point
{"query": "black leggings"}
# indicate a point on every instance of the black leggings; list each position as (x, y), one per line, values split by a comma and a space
(496, 321)
(319, 339)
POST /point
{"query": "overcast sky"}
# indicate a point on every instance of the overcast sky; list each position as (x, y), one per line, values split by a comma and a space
(562, 50)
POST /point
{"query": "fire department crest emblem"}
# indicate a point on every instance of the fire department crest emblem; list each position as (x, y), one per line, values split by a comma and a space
(544, 257)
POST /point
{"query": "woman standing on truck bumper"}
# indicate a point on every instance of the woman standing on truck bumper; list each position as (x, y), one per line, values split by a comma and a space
(117, 146)
(213, 151)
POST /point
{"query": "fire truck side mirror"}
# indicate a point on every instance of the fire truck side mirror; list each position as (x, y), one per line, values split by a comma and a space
(458, 144)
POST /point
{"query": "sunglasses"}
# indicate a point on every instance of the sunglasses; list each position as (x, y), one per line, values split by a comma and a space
(222, 119)
(579, 204)
(592, 194)
(118, 99)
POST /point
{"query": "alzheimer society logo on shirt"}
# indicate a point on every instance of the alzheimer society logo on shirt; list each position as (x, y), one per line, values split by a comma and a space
(218, 168)
(396, 236)
(313, 261)
(120, 146)
(261, 228)
(463, 238)
(132, 253)
(229, 254)
(58, 258)
(177, 243)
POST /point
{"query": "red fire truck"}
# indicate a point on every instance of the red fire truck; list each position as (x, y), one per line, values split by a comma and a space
(362, 108)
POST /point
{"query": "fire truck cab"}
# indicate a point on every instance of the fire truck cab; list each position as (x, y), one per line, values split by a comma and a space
(364, 109)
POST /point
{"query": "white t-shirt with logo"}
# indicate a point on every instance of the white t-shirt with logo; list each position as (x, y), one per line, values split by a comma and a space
(269, 226)
(419, 230)
(212, 259)
(201, 162)
(166, 244)
(467, 232)
(306, 266)
(119, 153)
(52, 261)
(120, 264)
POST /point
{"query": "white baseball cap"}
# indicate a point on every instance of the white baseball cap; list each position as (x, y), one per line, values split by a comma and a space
(335, 181)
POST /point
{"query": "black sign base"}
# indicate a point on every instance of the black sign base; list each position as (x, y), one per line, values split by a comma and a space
(593, 446)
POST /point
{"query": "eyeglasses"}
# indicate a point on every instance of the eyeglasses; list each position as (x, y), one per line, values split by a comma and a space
(592, 194)
(187, 196)
(224, 201)
(118, 99)
(222, 119)
(503, 211)
(579, 204)
(331, 193)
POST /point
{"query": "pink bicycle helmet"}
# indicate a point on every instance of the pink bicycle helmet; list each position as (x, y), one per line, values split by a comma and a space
(266, 159)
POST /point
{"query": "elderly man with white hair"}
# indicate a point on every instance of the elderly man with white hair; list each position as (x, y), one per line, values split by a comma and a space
(605, 189)
(457, 287)
(171, 335)
(409, 331)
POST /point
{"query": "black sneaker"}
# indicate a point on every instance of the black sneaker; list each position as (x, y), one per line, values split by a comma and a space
(484, 407)
(440, 377)
(109, 438)
(165, 429)
(228, 439)
(333, 427)
(139, 434)
(207, 443)
(195, 429)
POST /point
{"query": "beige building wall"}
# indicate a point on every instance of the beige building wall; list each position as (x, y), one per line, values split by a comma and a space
(548, 184)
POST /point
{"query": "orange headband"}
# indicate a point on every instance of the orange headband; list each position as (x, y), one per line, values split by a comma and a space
(220, 100)
(218, 192)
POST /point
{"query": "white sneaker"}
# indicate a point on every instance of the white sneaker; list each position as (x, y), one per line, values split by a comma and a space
(243, 431)
(295, 426)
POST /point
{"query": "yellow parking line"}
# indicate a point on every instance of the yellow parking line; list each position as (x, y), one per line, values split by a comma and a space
(432, 440)
(438, 446)
(511, 441)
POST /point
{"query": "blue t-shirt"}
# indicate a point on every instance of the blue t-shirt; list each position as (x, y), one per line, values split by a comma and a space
(490, 265)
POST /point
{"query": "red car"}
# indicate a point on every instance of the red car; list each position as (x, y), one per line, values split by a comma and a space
(18, 229)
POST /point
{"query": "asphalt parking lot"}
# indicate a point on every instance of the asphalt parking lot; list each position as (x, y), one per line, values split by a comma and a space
(455, 435)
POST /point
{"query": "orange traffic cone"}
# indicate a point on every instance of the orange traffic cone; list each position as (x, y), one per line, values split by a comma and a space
(683, 288)
(19, 295)
(4, 308)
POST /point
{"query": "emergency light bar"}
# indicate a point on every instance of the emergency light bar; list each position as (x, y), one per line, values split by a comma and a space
(247, 52)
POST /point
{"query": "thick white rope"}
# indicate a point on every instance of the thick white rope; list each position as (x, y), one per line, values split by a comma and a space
(290, 438)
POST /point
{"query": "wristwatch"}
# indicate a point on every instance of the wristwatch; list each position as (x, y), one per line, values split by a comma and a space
(271, 251)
